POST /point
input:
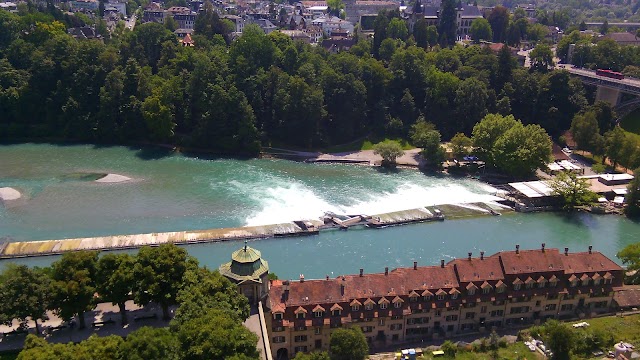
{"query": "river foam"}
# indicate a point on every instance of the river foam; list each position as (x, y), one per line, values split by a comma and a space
(295, 201)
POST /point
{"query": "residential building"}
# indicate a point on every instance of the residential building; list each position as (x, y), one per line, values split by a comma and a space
(624, 38)
(236, 20)
(328, 24)
(426, 302)
(264, 24)
(91, 5)
(465, 14)
(153, 12)
(9, 6)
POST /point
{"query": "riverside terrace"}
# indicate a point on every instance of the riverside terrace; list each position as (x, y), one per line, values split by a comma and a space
(428, 302)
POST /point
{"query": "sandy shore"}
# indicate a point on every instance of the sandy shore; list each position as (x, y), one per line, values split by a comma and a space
(113, 178)
(410, 158)
(7, 193)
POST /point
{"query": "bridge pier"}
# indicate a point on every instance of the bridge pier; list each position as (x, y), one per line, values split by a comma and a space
(610, 95)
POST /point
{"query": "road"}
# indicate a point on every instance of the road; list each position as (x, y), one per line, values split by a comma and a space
(131, 23)
(592, 74)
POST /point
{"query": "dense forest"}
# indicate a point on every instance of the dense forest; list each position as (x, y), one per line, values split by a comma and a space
(235, 96)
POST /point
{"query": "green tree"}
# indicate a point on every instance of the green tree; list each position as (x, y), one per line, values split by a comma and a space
(24, 294)
(471, 103)
(158, 274)
(150, 343)
(499, 20)
(380, 25)
(541, 58)
(312, 356)
(447, 25)
(481, 30)
(605, 27)
(522, 149)
(420, 29)
(348, 344)
(389, 150)
(209, 24)
(560, 338)
(205, 289)
(633, 196)
(397, 29)
(74, 285)
(425, 136)
(432, 35)
(170, 23)
(159, 118)
(114, 280)
(461, 145)
(216, 335)
(573, 191)
(335, 6)
(585, 131)
(630, 255)
(486, 133)
(506, 64)
(614, 140)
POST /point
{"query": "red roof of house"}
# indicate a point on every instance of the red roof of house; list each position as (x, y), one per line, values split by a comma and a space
(585, 262)
(530, 261)
(478, 270)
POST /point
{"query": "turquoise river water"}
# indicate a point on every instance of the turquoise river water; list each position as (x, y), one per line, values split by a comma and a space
(175, 192)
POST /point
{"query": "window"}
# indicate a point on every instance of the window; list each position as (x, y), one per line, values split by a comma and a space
(496, 313)
(278, 339)
(355, 308)
(300, 338)
(483, 309)
(550, 307)
(438, 312)
(318, 314)
(486, 290)
(600, 304)
(397, 304)
(596, 281)
(566, 307)
(383, 306)
(396, 327)
(367, 329)
(519, 309)
(413, 299)
(278, 329)
(607, 281)
(574, 283)
(516, 286)
(381, 322)
(452, 318)
(528, 285)
(301, 328)
(471, 291)
(553, 283)
(441, 297)
(317, 331)
(427, 297)
(470, 315)
(541, 285)
(300, 315)
(300, 349)
(500, 290)
(454, 296)
(277, 316)
(336, 312)
(368, 306)
(552, 297)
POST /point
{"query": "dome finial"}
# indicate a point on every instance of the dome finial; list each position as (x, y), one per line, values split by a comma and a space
(245, 245)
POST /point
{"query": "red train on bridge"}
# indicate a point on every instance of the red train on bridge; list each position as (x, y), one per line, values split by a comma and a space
(610, 74)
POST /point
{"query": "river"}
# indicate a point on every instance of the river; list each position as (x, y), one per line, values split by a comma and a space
(176, 192)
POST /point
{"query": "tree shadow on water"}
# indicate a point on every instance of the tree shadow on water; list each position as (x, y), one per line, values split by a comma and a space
(577, 218)
(152, 153)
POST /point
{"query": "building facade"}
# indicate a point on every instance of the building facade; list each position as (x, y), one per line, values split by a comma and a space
(427, 302)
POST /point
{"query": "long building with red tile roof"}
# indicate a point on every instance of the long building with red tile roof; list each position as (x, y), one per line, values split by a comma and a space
(426, 302)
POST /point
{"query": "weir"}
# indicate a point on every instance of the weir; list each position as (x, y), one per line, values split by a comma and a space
(9, 250)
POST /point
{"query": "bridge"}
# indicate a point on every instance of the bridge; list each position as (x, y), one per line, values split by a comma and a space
(610, 90)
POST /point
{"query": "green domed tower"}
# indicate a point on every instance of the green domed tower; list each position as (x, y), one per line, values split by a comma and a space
(249, 271)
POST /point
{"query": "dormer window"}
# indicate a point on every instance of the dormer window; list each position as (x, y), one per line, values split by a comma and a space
(397, 304)
(441, 297)
(300, 315)
(383, 306)
(471, 292)
(369, 306)
(336, 312)
(318, 314)
(454, 295)
(516, 287)
(277, 316)
(486, 290)
(355, 308)
(427, 298)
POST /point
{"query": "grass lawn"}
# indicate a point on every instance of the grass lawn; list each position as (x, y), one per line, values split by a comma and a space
(625, 329)
(631, 123)
(512, 351)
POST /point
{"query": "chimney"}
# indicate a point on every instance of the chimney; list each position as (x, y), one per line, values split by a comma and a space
(386, 271)
(517, 249)
(481, 255)
(341, 289)
(470, 256)
(285, 287)
(415, 265)
(327, 277)
(361, 272)
(301, 278)
(590, 249)
(442, 263)
(566, 251)
(543, 245)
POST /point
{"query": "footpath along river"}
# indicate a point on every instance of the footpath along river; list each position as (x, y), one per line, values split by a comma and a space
(169, 192)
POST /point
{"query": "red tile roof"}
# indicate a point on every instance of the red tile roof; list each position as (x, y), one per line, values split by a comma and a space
(530, 261)
(585, 262)
(478, 270)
